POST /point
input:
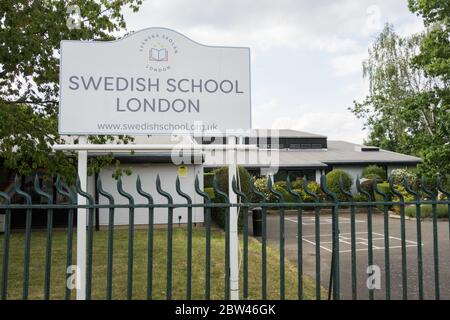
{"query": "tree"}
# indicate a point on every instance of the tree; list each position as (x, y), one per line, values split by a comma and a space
(30, 34)
(404, 110)
(434, 55)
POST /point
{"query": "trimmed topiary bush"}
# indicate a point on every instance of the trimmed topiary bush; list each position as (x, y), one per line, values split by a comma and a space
(333, 178)
(369, 172)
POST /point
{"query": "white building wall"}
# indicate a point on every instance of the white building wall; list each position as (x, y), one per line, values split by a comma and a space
(148, 173)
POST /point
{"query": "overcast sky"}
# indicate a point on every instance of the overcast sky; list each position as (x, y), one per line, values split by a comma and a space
(306, 55)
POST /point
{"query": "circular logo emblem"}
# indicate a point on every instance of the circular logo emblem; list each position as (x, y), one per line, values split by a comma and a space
(158, 50)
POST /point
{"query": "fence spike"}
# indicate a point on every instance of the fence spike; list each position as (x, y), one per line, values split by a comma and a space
(408, 189)
(243, 196)
(41, 192)
(425, 189)
(162, 192)
(59, 188)
(220, 192)
(328, 192)
(378, 191)
(142, 192)
(276, 193)
(361, 189)
(253, 190)
(395, 191)
(203, 194)
(5, 196)
(343, 191)
(440, 187)
(16, 189)
(83, 193)
(103, 192)
(309, 192)
(180, 192)
(291, 191)
(123, 192)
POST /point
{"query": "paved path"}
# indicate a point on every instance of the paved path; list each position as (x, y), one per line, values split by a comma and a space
(309, 244)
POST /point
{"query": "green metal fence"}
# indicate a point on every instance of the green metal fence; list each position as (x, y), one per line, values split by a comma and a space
(376, 203)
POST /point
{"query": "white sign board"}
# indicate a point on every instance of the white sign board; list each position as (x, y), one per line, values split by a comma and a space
(154, 81)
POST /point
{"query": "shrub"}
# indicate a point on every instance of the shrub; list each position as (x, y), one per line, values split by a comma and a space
(208, 179)
(384, 187)
(305, 197)
(359, 197)
(398, 176)
(333, 178)
(261, 186)
(244, 179)
(218, 214)
(281, 184)
(286, 195)
(314, 187)
(406, 195)
(371, 170)
(297, 184)
(373, 176)
(426, 211)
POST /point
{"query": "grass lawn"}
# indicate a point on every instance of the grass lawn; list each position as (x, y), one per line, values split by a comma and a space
(58, 276)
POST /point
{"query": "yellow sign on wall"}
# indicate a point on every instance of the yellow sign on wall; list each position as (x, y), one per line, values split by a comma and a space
(182, 171)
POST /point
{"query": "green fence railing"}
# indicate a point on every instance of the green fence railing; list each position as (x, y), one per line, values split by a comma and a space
(326, 237)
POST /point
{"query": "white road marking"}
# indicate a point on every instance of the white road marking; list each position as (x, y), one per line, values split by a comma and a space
(343, 238)
(307, 221)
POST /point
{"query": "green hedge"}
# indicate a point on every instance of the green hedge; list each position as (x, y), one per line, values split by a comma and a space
(426, 211)
(218, 214)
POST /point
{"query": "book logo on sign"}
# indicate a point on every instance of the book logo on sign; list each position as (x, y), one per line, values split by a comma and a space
(157, 48)
(159, 54)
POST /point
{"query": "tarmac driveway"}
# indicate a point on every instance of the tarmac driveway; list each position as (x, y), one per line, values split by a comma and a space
(309, 254)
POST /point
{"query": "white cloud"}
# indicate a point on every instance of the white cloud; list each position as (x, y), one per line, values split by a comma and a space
(347, 64)
(319, 25)
(332, 36)
(270, 105)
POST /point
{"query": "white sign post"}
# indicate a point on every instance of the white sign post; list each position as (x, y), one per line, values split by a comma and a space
(234, 240)
(81, 224)
(154, 81)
